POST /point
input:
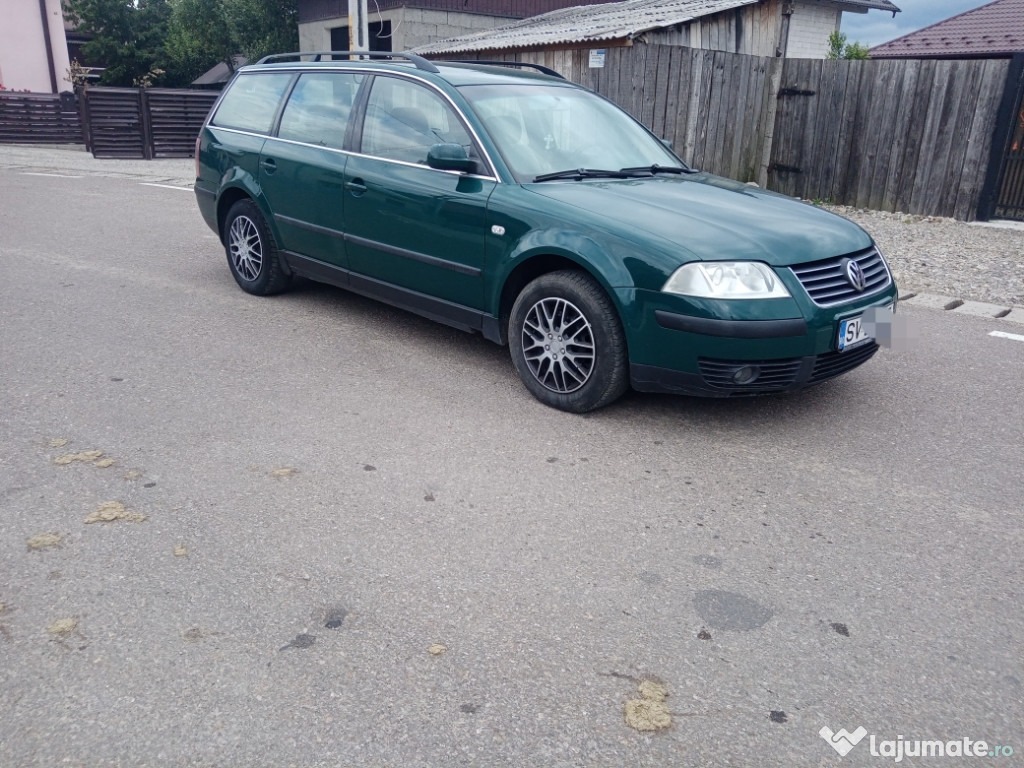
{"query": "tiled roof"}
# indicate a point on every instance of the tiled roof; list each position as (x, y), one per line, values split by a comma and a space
(996, 29)
(598, 23)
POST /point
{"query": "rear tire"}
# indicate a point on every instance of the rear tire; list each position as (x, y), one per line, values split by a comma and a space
(567, 342)
(252, 253)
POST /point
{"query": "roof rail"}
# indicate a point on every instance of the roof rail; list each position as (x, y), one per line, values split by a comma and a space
(419, 61)
(538, 67)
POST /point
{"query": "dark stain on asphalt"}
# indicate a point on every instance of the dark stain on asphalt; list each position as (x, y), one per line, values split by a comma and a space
(301, 641)
(730, 610)
(841, 629)
(116, 378)
(149, 485)
(429, 497)
(369, 468)
(650, 578)
(703, 634)
(777, 716)
(709, 561)
(552, 459)
(335, 618)
(469, 709)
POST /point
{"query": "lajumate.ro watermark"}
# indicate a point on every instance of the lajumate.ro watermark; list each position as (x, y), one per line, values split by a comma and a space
(843, 742)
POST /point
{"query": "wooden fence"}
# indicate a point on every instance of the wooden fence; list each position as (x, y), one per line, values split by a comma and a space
(899, 135)
(904, 135)
(144, 123)
(39, 118)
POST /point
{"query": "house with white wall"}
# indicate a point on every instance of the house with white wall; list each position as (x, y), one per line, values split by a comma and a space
(33, 47)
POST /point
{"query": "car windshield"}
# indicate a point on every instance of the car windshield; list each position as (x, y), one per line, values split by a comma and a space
(543, 129)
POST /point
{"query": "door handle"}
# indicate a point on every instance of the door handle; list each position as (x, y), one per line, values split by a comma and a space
(269, 165)
(357, 187)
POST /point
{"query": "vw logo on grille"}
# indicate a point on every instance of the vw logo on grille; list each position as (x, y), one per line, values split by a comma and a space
(855, 274)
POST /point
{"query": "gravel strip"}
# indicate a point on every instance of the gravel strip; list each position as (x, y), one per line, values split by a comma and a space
(973, 262)
(927, 255)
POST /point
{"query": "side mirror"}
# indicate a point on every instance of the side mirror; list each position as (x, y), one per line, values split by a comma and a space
(450, 157)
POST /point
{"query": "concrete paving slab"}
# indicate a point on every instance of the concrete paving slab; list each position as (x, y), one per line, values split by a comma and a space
(981, 309)
(1016, 316)
(932, 301)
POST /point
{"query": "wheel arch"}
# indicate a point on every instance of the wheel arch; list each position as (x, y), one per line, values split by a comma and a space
(534, 266)
(228, 198)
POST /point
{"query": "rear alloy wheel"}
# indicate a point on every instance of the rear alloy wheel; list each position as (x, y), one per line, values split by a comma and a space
(567, 343)
(251, 251)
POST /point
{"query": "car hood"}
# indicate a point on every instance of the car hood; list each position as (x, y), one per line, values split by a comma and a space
(712, 218)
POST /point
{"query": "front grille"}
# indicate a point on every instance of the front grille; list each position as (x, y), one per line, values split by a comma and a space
(826, 282)
(774, 374)
(832, 364)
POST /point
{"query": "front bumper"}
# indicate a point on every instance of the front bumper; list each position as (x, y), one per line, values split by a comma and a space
(716, 378)
(775, 347)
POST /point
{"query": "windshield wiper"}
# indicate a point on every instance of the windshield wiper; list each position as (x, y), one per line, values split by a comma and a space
(578, 174)
(653, 169)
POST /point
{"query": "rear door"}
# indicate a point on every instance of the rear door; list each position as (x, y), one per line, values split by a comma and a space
(409, 225)
(302, 167)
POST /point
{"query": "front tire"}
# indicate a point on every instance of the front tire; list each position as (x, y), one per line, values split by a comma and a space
(567, 342)
(252, 253)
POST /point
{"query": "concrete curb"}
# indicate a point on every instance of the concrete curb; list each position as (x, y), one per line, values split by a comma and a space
(961, 307)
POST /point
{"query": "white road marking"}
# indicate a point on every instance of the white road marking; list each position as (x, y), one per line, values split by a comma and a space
(164, 186)
(1003, 335)
(51, 175)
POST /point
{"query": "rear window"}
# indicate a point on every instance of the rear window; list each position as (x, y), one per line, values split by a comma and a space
(319, 107)
(252, 101)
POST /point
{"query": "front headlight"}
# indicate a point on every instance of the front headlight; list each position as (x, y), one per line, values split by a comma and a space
(726, 280)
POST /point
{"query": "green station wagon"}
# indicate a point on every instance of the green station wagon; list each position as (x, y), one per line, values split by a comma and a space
(515, 204)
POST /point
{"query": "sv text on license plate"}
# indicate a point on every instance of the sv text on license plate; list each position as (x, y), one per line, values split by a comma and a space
(853, 332)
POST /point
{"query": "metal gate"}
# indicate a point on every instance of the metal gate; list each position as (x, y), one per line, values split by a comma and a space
(1004, 197)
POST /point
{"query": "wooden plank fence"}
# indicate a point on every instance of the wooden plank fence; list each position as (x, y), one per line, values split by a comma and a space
(39, 118)
(894, 135)
(145, 123)
(899, 135)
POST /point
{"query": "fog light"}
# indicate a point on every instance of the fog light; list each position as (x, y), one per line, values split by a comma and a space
(746, 375)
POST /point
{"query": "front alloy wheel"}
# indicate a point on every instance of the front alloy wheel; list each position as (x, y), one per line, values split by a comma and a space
(567, 342)
(558, 345)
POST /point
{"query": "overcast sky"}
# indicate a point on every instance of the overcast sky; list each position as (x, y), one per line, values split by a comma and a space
(876, 27)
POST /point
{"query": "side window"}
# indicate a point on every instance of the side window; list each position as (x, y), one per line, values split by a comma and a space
(404, 119)
(318, 108)
(252, 102)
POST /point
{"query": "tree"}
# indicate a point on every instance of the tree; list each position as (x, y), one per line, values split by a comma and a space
(202, 33)
(260, 27)
(198, 37)
(838, 48)
(128, 36)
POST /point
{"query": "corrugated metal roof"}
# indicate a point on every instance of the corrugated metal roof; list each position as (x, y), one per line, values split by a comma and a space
(580, 24)
(996, 29)
(598, 23)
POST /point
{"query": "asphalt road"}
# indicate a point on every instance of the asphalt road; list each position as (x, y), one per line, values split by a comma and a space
(332, 489)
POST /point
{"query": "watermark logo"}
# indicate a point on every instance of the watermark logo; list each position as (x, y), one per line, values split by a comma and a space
(843, 741)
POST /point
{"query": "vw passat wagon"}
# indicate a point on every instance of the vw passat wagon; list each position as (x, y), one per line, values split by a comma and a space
(531, 210)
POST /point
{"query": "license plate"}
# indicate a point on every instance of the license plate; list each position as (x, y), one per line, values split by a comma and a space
(852, 332)
(858, 330)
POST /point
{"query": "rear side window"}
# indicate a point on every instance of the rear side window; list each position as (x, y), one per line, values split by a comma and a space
(404, 120)
(318, 109)
(252, 101)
